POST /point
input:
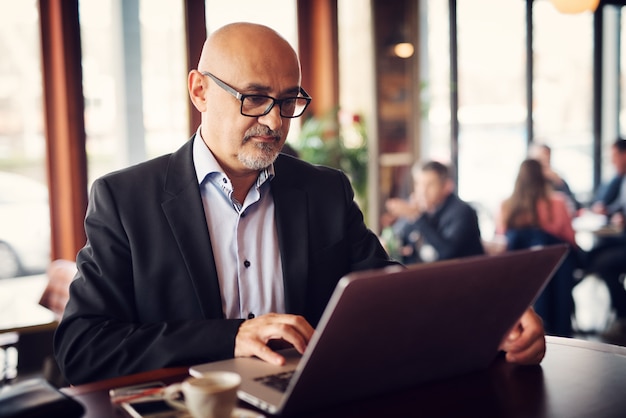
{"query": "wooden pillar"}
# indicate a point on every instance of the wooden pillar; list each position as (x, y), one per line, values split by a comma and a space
(318, 51)
(65, 125)
(196, 33)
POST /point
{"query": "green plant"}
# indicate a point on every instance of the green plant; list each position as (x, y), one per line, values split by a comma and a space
(338, 139)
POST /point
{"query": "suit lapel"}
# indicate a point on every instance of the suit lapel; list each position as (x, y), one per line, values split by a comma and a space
(185, 214)
(291, 228)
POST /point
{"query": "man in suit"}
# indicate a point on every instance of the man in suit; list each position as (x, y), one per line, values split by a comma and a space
(606, 258)
(224, 247)
(611, 199)
(436, 223)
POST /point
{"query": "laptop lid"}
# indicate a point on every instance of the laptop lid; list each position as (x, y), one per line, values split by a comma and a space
(387, 329)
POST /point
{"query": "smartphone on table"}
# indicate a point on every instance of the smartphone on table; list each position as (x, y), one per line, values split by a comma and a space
(145, 401)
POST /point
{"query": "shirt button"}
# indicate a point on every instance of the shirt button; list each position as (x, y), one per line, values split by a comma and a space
(246, 264)
(250, 315)
(224, 180)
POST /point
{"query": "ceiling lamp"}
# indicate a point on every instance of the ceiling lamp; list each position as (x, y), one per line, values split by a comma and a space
(575, 6)
(399, 42)
(403, 49)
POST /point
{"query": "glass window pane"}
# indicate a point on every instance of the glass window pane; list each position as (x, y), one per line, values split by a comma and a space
(164, 76)
(100, 87)
(435, 84)
(24, 210)
(492, 100)
(280, 15)
(134, 81)
(563, 98)
(356, 90)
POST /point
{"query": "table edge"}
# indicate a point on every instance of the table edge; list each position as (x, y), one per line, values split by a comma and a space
(586, 344)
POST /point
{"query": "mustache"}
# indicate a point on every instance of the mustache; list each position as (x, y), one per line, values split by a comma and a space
(262, 131)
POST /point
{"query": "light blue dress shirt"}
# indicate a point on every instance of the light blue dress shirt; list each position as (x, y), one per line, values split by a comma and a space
(243, 238)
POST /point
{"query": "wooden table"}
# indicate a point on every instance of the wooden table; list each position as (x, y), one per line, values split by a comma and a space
(592, 227)
(19, 304)
(25, 326)
(576, 379)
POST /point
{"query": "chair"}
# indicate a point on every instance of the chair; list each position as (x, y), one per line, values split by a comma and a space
(56, 294)
(60, 274)
(555, 304)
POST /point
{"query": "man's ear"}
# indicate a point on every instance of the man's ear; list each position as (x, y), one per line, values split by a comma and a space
(197, 90)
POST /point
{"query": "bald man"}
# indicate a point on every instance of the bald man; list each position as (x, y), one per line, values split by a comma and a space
(225, 247)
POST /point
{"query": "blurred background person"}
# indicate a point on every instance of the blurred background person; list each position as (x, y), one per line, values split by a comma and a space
(611, 198)
(534, 204)
(607, 258)
(536, 215)
(434, 224)
(543, 153)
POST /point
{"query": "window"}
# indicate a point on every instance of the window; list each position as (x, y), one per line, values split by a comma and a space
(435, 84)
(492, 101)
(134, 81)
(24, 211)
(280, 15)
(562, 85)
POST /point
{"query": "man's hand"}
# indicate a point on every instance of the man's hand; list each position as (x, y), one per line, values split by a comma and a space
(402, 208)
(598, 207)
(255, 334)
(617, 220)
(526, 342)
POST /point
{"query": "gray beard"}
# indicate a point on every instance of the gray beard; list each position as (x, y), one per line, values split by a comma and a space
(264, 153)
(265, 156)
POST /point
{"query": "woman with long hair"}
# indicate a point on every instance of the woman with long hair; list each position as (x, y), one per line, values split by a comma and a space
(533, 215)
(533, 204)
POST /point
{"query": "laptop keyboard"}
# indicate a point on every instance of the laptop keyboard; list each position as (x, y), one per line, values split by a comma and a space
(278, 381)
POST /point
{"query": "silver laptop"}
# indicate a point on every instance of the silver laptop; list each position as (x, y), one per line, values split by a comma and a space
(387, 329)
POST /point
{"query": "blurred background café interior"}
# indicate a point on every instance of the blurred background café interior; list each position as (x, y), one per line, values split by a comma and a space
(92, 86)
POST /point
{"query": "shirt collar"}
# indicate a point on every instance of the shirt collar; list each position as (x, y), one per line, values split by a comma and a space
(206, 164)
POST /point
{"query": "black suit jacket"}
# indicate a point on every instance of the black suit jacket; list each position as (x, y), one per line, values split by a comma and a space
(608, 192)
(147, 294)
(610, 196)
(452, 230)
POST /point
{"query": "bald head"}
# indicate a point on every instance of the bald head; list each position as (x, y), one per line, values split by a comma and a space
(250, 60)
(248, 47)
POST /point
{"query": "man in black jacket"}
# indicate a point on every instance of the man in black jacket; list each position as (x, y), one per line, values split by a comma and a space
(607, 257)
(225, 246)
(437, 224)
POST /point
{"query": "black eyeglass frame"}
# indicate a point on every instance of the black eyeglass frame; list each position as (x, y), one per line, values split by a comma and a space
(241, 97)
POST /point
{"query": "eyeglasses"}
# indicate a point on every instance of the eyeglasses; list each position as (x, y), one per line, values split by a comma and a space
(256, 105)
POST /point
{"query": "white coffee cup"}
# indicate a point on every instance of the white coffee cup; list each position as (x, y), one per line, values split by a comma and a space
(214, 395)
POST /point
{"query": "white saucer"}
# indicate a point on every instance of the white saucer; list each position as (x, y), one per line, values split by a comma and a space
(237, 413)
(245, 413)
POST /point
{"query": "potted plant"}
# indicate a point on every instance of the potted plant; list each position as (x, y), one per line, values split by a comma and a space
(338, 139)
